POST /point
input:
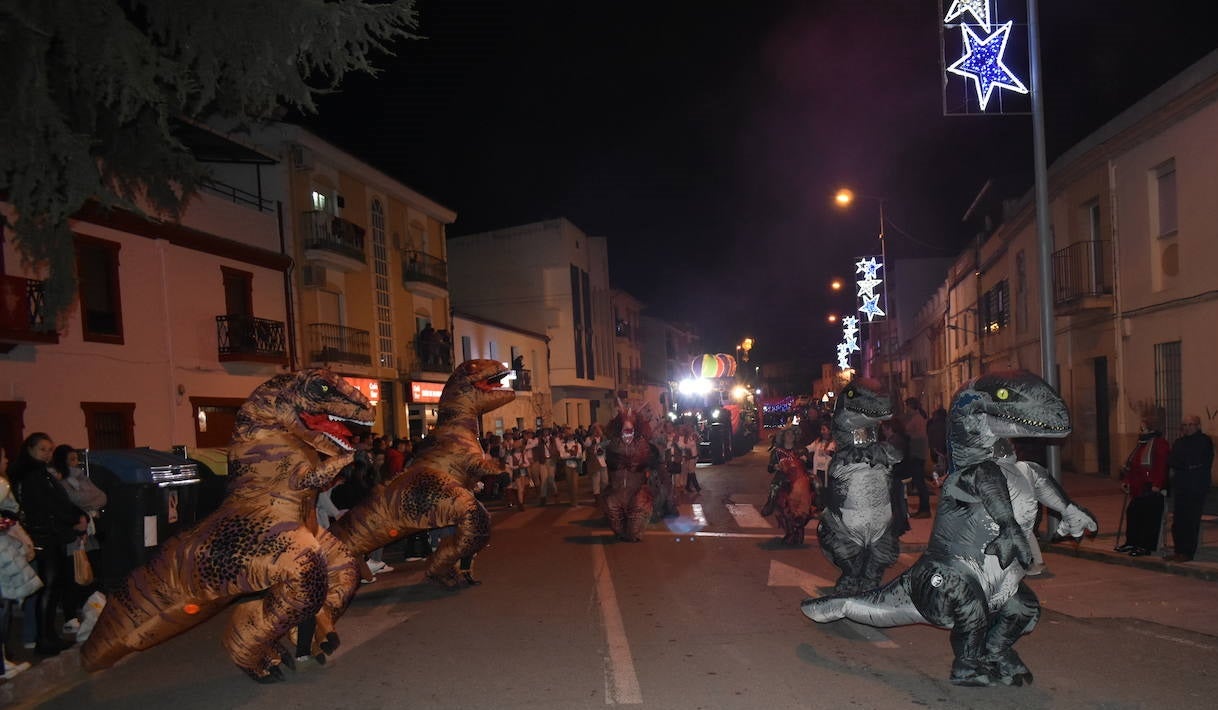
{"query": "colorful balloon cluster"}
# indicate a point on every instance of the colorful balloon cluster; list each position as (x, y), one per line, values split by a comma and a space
(721, 365)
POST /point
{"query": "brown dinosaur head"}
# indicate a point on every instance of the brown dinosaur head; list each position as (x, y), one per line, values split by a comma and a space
(475, 387)
(317, 406)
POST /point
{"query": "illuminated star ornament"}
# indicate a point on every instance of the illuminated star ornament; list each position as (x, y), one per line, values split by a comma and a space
(982, 62)
(850, 341)
(869, 302)
(979, 9)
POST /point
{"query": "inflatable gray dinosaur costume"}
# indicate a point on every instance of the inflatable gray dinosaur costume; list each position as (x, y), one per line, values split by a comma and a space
(856, 526)
(965, 581)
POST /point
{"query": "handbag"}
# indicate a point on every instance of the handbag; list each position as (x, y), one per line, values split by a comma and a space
(83, 571)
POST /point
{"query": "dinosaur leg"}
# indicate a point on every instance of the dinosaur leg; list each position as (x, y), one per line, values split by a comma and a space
(295, 582)
(342, 580)
(638, 514)
(880, 556)
(1016, 618)
(615, 512)
(844, 552)
(473, 532)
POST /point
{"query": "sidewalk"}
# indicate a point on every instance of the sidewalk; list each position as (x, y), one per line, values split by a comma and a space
(1104, 499)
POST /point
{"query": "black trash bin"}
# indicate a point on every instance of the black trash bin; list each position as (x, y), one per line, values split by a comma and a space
(151, 496)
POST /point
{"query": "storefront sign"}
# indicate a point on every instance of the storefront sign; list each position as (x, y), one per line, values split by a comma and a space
(370, 388)
(425, 391)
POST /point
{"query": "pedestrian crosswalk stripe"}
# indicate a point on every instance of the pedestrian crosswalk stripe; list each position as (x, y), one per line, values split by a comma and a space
(747, 516)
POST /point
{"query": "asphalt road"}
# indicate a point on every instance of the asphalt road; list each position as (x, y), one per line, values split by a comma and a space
(568, 618)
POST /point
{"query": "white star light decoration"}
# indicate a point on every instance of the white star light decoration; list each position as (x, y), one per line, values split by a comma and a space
(850, 341)
(979, 9)
(982, 62)
(869, 267)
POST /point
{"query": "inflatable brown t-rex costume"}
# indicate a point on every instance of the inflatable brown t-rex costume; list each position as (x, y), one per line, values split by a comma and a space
(435, 489)
(288, 443)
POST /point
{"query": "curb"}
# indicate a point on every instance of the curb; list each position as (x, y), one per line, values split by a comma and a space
(1152, 563)
(50, 675)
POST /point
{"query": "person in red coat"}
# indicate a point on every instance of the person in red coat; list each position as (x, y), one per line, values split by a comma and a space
(1145, 480)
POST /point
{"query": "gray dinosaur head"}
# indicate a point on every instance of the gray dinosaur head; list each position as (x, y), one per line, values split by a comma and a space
(860, 405)
(1009, 404)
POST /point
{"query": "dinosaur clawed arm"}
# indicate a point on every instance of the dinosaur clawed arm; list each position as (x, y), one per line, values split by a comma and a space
(1011, 544)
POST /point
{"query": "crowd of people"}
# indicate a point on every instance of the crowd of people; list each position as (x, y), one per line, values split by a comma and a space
(1156, 469)
(533, 462)
(48, 547)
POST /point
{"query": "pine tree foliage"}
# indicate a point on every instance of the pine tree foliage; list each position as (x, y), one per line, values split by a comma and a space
(94, 87)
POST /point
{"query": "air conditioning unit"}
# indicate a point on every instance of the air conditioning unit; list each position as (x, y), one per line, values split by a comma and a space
(301, 158)
(313, 276)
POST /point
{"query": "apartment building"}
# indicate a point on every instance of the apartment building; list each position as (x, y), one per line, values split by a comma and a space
(548, 278)
(1132, 281)
(370, 283)
(174, 325)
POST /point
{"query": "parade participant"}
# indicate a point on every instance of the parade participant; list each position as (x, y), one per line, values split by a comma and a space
(632, 460)
(970, 579)
(856, 522)
(820, 453)
(791, 496)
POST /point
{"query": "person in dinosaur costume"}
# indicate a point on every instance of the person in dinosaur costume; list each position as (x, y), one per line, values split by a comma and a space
(970, 578)
(437, 489)
(856, 528)
(633, 462)
(792, 499)
(289, 442)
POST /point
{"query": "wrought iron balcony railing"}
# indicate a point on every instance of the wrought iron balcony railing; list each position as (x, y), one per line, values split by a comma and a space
(421, 266)
(327, 232)
(336, 343)
(23, 314)
(1082, 270)
(247, 338)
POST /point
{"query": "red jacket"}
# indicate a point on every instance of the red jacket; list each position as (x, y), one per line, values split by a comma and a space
(1140, 476)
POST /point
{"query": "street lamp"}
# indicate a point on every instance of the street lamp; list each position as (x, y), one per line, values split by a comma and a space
(845, 197)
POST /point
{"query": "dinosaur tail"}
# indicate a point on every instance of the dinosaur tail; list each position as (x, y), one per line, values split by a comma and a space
(890, 605)
(152, 606)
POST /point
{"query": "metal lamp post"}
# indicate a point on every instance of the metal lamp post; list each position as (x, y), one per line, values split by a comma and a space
(844, 197)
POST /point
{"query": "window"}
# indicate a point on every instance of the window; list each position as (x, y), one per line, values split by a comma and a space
(101, 311)
(1165, 198)
(995, 309)
(380, 268)
(467, 348)
(1092, 215)
(1169, 388)
(238, 292)
(492, 350)
(110, 425)
(320, 202)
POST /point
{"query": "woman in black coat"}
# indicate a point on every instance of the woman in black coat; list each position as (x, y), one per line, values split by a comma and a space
(53, 523)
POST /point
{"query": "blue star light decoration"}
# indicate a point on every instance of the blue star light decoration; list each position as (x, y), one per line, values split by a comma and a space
(870, 302)
(868, 267)
(979, 9)
(871, 306)
(850, 341)
(982, 62)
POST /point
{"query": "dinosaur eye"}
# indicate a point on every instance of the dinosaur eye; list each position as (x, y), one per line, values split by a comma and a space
(326, 388)
(1003, 394)
(849, 394)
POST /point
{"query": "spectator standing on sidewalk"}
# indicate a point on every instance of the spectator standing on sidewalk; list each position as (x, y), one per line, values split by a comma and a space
(1145, 479)
(913, 466)
(1192, 458)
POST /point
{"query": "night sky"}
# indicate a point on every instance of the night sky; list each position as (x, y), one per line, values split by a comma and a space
(704, 139)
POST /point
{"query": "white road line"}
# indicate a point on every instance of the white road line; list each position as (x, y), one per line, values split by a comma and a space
(621, 682)
(747, 516)
(703, 533)
(691, 519)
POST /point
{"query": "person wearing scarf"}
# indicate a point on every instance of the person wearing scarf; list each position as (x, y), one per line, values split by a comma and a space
(1145, 480)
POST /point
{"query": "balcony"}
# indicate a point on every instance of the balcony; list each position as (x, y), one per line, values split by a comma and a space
(523, 381)
(22, 313)
(1082, 276)
(424, 274)
(333, 241)
(245, 338)
(335, 343)
(434, 356)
